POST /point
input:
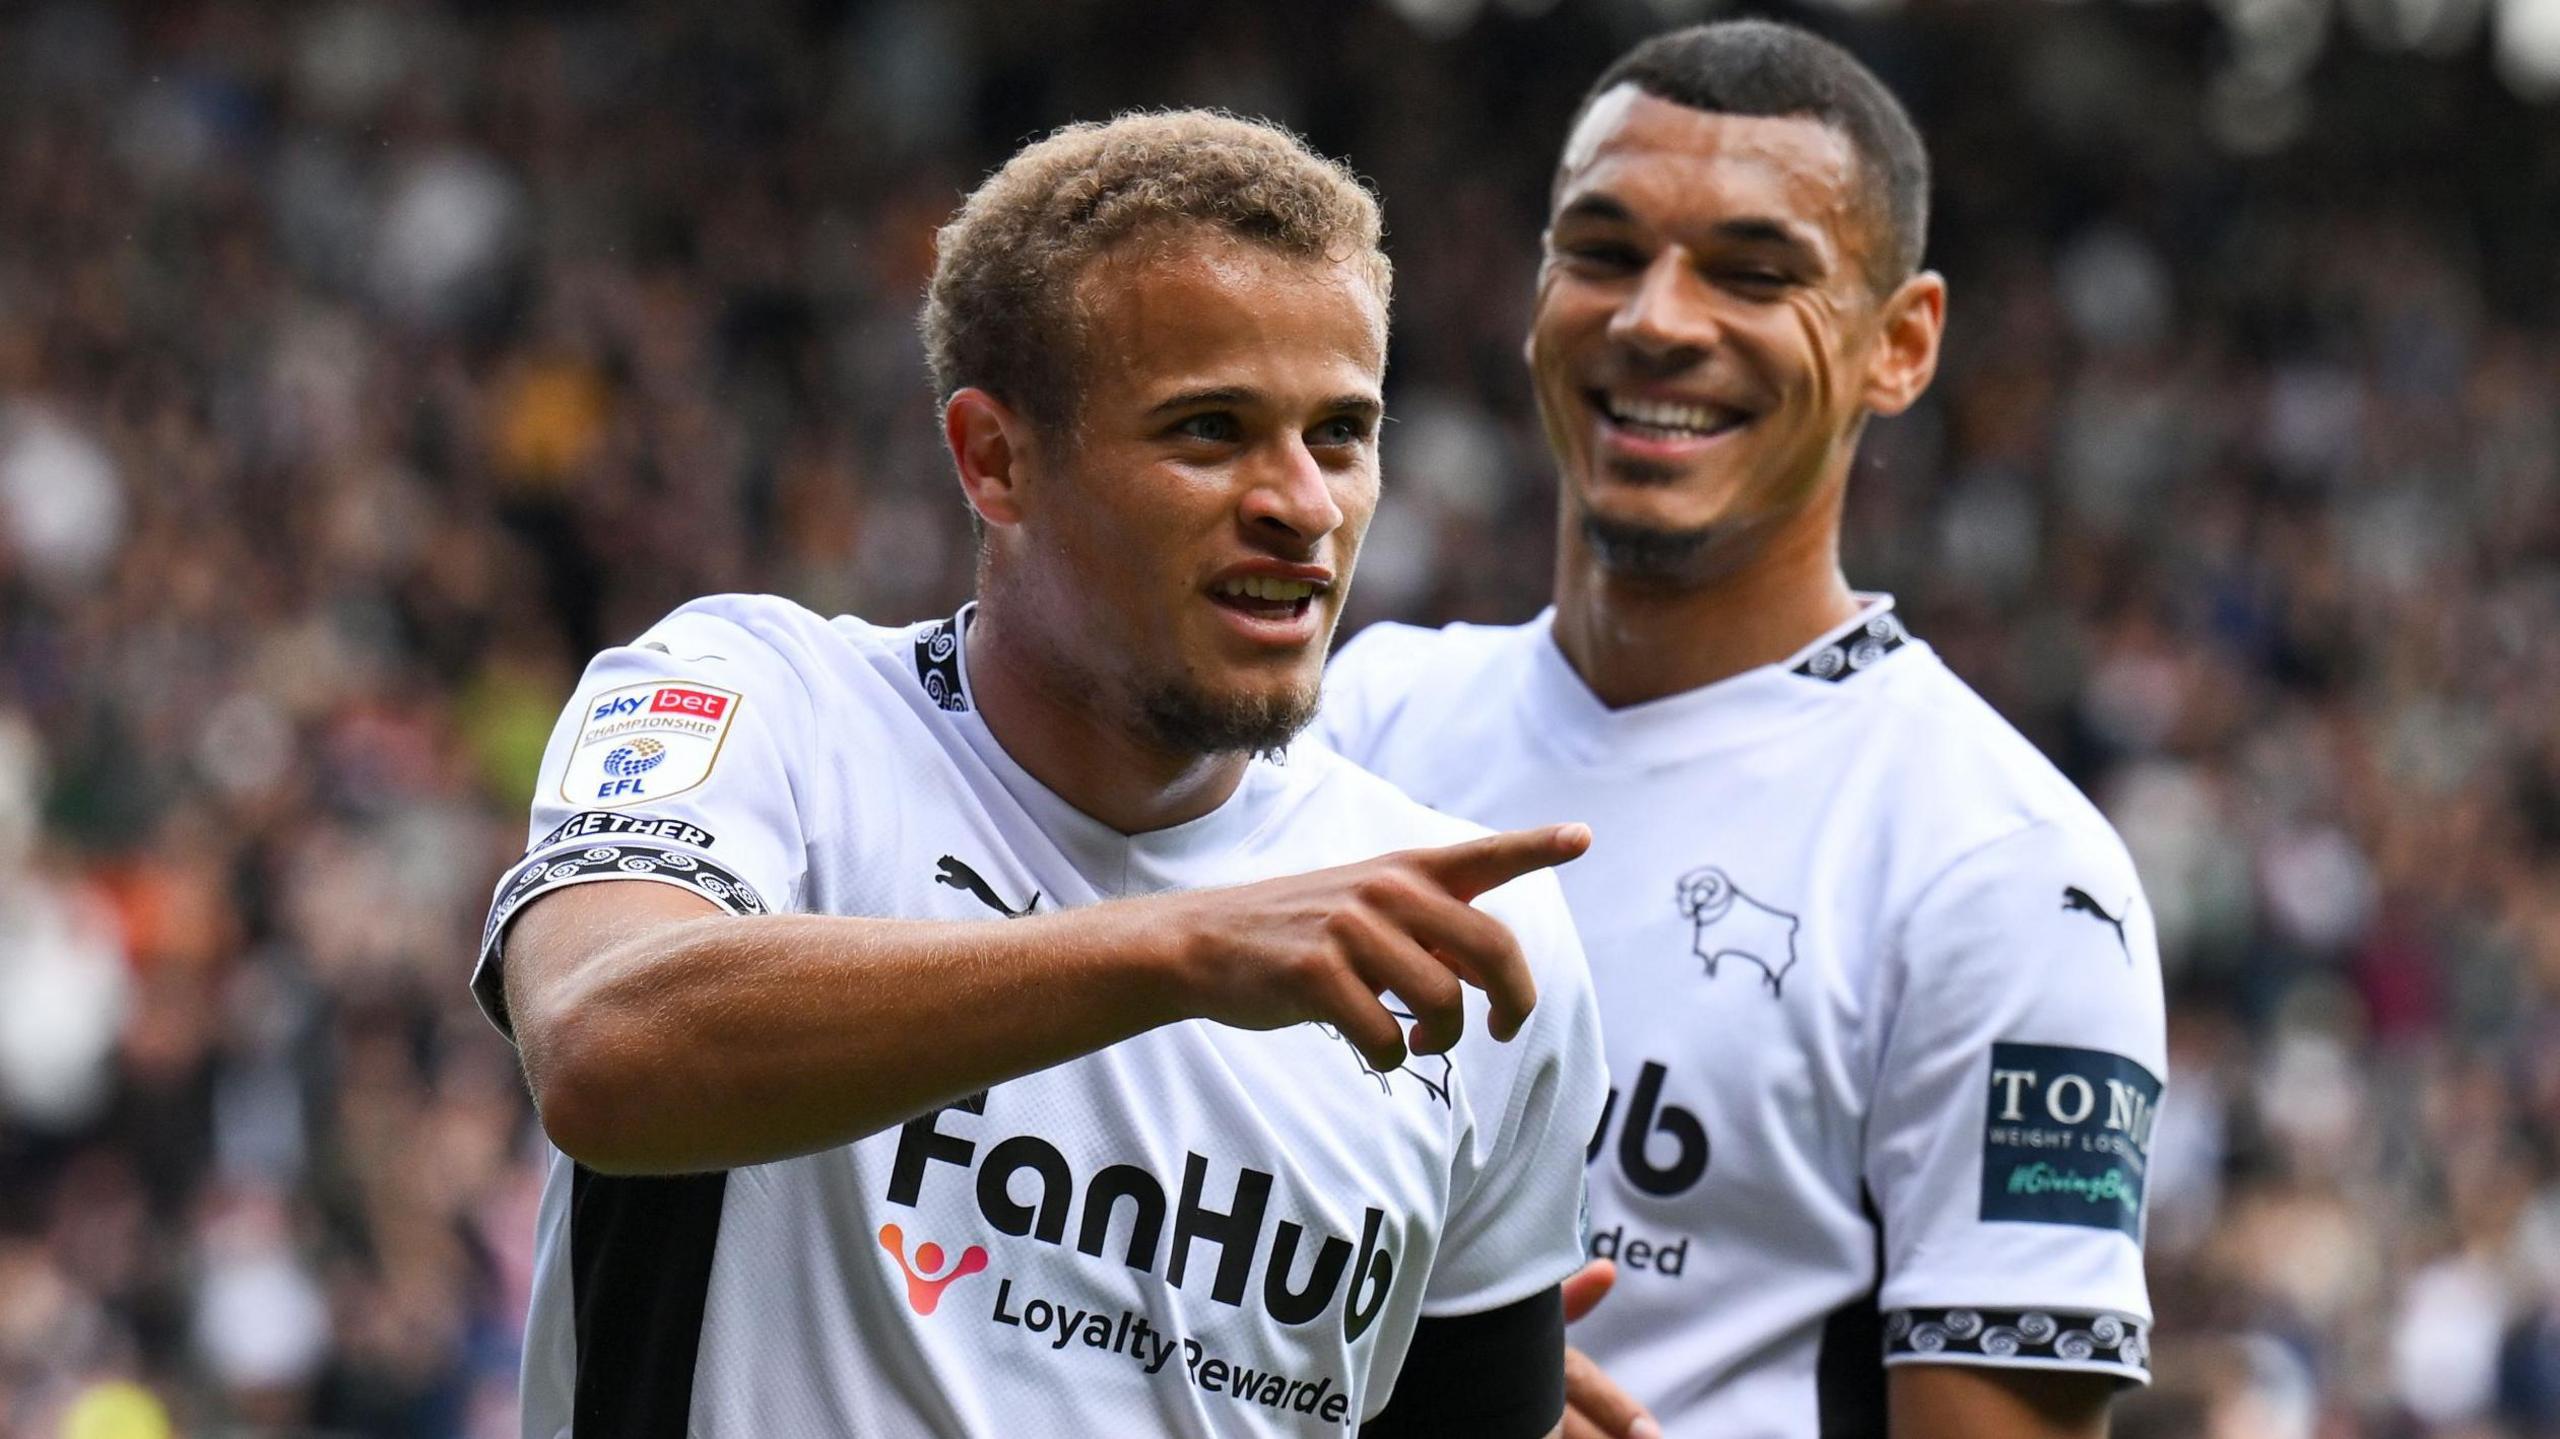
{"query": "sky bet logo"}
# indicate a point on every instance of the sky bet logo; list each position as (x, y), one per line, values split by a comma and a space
(1238, 1232)
(672, 699)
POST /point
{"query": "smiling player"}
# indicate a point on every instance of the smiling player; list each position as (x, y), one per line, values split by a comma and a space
(908, 1076)
(1878, 986)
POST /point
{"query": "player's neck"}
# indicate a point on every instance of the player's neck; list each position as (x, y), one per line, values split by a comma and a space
(1051, 726)
(1634, 641)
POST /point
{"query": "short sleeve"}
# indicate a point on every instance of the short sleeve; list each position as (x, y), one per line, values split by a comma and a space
(1362, 686)
(1516, 1216)
(674, 763)
(2009, 1144)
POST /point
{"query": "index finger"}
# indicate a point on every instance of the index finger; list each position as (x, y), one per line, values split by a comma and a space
(1596, 1398)
(1469, 869)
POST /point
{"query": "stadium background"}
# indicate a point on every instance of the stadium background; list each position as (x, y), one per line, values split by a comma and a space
(363, 366)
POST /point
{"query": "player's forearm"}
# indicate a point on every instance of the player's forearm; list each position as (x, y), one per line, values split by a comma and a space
(716, 1041)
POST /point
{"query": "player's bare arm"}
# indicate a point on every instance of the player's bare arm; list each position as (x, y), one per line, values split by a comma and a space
(1946, 1401)
(662, 1036)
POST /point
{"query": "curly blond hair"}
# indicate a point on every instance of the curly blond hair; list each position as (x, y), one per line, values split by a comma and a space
(1000, 314)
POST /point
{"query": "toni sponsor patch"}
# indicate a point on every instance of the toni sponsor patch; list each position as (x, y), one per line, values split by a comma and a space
(646, 742)
(2067, 1137)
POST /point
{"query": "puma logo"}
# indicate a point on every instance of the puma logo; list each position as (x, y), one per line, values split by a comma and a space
(960, 876)
(2079, 900)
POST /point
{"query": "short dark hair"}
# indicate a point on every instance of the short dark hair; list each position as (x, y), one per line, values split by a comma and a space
(1761, 67)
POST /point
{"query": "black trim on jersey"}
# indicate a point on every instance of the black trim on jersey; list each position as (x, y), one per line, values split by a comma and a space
(1495, 1375)
(1856, 651)
(640, 1252)
(614, 824)
(541, 872)
(2054, 1338)
(938, 665)
(1848, 1368)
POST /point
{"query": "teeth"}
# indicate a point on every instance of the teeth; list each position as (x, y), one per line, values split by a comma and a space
(1664, 415)
(1257, 587)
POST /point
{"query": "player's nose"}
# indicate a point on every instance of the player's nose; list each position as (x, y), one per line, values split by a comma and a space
(1668, 318)
(1290, 493)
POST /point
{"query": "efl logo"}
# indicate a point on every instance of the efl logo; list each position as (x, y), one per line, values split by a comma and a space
(923, 1293)
(691, 702)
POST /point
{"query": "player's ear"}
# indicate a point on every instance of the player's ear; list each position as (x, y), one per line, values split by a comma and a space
(992, 448)
(1910, 323)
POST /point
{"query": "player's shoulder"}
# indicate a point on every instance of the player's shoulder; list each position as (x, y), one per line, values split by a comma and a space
(1391, 672)
(1335, 791)
(764, 630)
(775, 641)
(1408, 652)
(1973, 782)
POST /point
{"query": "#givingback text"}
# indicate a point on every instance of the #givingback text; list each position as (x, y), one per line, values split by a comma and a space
(1132, 1335)
(2041, 1178)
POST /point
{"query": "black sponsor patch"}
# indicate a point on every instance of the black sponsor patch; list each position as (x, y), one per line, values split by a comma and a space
(2067, 1137)
(589, 824)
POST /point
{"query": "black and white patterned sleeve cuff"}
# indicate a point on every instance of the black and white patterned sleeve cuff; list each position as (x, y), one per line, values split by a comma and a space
(2091, 1341)
(564, 865)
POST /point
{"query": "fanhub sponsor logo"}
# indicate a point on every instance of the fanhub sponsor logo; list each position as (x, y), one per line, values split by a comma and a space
(1293, 1291)
(1662, 1148)
(924, 1289)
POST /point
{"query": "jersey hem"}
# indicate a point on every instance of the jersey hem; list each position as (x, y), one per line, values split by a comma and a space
(2129, 1373)
(2098, 1341)
(539, 874)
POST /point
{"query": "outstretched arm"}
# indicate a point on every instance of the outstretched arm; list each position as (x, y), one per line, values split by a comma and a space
(660, 1035)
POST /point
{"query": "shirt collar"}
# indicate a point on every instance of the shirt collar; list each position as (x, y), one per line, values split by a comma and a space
(1736, 710)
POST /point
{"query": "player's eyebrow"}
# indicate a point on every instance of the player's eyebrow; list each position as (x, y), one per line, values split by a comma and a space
(1212, 395)
(1596, 206)
(1366, 405)
(1603, 208)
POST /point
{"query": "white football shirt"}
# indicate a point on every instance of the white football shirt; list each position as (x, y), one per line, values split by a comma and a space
(1200, 1230)
(1880, 997)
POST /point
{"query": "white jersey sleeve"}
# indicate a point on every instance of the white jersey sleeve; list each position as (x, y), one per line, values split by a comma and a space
(2020, 1069)
(674, 763)
(1516, 1211)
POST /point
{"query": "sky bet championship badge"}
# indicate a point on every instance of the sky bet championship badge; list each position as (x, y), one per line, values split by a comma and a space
(2069, 1137)
(645, 742)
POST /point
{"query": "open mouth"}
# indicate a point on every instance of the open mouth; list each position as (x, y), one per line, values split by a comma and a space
(1668, 420)
(1267, 598)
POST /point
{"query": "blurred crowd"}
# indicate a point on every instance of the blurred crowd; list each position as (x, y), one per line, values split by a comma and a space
(365, 365)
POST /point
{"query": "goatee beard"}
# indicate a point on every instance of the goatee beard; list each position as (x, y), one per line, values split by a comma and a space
(1645, 554)
(1186, 720)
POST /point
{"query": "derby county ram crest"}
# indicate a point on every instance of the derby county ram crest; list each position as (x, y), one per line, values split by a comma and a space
(1728, 924)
